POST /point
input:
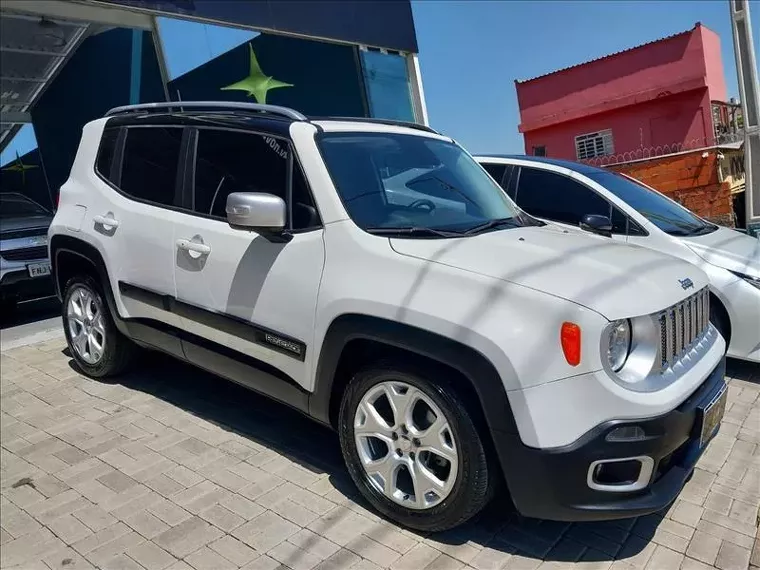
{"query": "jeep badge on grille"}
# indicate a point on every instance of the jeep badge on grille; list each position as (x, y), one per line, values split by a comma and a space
(686, 283)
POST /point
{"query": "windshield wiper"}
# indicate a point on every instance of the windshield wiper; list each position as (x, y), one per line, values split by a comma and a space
(499, 222)
(704, 230)
(414, 231)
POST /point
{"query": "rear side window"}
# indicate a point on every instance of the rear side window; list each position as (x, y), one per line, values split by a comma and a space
(150, 165)
(106, 153)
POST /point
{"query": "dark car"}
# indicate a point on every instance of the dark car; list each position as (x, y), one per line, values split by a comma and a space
(24, 262)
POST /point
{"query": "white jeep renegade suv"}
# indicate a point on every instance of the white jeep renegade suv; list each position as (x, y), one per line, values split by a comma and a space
(449, 338)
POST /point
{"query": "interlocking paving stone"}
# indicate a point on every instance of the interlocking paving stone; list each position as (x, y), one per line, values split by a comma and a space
(175, 469)
(233, 550)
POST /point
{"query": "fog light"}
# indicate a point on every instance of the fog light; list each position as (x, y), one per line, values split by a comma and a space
(620, 475)
(627, 433)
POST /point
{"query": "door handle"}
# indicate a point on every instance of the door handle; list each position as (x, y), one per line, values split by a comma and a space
(106, 221)
(193, 246)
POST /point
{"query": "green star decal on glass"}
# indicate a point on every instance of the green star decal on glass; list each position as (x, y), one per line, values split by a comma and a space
(19, 166)
(257, 84)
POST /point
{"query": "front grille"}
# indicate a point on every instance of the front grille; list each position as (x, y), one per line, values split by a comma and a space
(683, 325)
(25, 253)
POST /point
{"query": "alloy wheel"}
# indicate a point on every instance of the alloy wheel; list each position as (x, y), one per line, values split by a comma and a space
(406, 445)
(86, 325)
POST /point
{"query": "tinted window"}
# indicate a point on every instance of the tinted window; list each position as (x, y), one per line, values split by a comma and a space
(106, 152)
(389, 180)
(387, 86)
(496, 171)
(558, 198)
(233, 161)
(151, 160)
(15, 205)
(667, 215)
(510, 181)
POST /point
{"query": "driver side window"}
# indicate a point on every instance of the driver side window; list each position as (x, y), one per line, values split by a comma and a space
(236, 161)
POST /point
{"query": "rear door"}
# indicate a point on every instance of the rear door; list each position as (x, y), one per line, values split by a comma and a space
(133, 216)
(237, 290)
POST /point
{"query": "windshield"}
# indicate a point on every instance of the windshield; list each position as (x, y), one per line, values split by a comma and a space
(389, 180)
(670, 217)
(17, 206)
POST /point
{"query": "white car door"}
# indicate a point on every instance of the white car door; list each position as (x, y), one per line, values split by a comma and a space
(132, 216)
(236, 289)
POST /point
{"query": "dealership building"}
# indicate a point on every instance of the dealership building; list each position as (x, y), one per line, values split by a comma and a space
(66, 62)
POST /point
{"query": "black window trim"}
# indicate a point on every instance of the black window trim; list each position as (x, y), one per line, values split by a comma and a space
(190, 176)
(644, 232)
(118, 160)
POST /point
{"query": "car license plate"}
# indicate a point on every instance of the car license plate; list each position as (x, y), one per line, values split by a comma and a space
(38, 269)
(712, 415)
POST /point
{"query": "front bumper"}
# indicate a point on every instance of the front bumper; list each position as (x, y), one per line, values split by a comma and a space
(16, 284)
(553, 483)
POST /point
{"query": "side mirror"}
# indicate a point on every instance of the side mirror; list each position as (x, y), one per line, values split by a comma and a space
(257, 211)
(596, 224)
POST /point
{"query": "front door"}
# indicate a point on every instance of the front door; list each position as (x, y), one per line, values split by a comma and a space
(560, 199)
(236, 289)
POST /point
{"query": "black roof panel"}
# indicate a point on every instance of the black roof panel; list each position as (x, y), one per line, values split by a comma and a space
(576, 166)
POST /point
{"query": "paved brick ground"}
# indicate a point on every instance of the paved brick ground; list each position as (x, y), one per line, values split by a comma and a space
(172, 468)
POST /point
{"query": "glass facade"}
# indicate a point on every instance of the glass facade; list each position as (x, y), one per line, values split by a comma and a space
(387, 85)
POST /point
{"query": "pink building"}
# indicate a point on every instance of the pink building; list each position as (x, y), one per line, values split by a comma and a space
(668, 94)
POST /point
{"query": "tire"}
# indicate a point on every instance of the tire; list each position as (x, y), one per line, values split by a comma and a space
(468, 476)
(116, 350)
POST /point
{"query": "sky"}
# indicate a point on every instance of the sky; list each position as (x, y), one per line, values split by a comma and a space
(472, 51)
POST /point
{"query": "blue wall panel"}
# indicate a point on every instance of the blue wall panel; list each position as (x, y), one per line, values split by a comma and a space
(381, 23)
(95, 79)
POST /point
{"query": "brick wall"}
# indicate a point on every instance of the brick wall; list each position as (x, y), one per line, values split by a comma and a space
(690, 180)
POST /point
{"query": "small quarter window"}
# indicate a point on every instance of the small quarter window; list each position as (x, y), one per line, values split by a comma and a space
(106, 152)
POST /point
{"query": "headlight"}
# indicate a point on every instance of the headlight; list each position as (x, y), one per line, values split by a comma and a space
(619, 344)
(751, 280)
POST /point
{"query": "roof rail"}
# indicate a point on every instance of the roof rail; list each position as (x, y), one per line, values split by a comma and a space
(217, 105)
(391, 122)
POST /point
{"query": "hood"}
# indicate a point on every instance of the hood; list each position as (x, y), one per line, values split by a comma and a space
(614, 279)
(22, 224)
(728, 249)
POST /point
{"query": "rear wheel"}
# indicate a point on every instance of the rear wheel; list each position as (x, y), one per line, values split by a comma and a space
(95, 343)
(412, 448)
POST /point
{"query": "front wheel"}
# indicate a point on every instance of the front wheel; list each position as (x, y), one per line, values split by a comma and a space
(95, 343)
(412, 448)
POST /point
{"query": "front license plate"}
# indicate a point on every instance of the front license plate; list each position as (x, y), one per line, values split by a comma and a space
(712, 415)
(38, 269)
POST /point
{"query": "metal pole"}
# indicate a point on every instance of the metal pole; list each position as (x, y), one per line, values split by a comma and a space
(418, 93)
(746, 68)
(163, 67)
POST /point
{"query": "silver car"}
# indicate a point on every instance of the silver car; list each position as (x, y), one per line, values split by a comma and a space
(24, 263)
